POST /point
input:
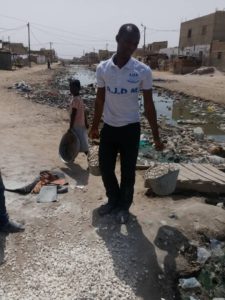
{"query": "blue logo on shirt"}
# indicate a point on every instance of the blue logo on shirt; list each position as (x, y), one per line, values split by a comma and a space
(122, 91)
(133, 77)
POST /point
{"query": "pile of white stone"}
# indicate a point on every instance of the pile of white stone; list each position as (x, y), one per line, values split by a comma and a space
(162, 178)
(93, 161)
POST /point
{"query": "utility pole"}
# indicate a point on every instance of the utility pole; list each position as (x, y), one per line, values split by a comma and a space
(51, 52)
(106, 48)
(9, 43)
(29, 60)
(144, 35)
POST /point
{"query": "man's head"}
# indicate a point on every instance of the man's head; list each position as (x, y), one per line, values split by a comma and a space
(74, 87)
(127, 39)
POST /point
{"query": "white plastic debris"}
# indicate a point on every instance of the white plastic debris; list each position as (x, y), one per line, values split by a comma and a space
(203, 255)
(189, 283)
(198, 133)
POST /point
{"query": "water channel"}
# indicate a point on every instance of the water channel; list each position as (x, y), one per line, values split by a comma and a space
(172, 111)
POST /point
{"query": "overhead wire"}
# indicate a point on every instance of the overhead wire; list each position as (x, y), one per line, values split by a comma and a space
(73, 34)
(88, 36)
(162, 30)
(11, 29)
(85, 40)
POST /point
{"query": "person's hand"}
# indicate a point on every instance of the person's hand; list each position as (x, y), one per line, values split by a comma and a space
(159, 146)
(93, 134)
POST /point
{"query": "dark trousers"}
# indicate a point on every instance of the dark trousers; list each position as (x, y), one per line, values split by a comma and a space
(3, 212)
(123, 140)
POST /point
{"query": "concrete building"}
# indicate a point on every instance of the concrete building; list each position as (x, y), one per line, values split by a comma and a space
(49, 54)
(217, 55)
(5, 60)
(105, 54)
(171, 52)
(156, 46)
(198, 36)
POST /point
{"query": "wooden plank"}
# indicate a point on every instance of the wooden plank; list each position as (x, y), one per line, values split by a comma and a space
(214, 169)
(211, 173)
(182, 178)
(189, 173)
(202, 176)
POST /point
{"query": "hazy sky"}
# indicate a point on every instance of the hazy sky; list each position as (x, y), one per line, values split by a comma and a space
(75, 26)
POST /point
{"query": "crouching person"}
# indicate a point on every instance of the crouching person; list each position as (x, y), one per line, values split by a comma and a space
(6, 225)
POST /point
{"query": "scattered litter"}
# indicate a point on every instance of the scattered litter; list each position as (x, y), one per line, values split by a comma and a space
(189, 283)
(203, 255)
(47, 194)
(203, 70)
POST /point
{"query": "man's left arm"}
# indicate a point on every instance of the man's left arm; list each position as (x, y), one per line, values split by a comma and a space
(150, 114)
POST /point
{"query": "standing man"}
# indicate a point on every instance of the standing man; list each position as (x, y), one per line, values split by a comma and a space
(6, 225)
(119, 81)
(49, 63)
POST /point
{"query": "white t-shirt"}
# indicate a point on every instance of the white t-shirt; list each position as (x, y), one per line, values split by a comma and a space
(122, 87)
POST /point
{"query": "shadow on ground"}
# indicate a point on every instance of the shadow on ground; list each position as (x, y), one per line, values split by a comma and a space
(134, 257)
(76, 172)
(2, 247)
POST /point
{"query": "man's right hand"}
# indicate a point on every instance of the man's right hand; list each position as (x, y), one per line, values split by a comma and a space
(93, 134)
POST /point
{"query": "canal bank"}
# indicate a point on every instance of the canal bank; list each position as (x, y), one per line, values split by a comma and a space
(191, 128)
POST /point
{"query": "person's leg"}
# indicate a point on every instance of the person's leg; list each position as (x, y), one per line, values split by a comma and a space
(3, 212)
(108, 150)
(128, 156)
(6, 225)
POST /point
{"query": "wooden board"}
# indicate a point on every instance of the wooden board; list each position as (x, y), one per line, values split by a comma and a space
(200, 177)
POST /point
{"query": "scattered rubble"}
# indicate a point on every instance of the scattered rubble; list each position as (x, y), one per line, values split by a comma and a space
(184, 143)
(204, 70)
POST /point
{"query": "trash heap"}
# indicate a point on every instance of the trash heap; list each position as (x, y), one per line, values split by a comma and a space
(183, 144)
(184, 141)
(208, 280)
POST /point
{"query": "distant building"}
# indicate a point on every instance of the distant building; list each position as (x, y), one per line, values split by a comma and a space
(15, 48)
(13, 54)
(139, 54)
(92, 58)
(49, 54)
(156, 46)
(37, 57)
(105, 54)
(5, 60)
(171, 52)
(217, 55)
(204, 38)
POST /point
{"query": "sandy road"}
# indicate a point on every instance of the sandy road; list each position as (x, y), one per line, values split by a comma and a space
(67, 252)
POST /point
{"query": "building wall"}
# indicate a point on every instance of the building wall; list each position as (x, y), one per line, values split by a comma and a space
(5, 61)
(197, 31)
(219, 28)
(199, 51)
(41, 59)
(170, 52)
(217, 56)
(156, 46)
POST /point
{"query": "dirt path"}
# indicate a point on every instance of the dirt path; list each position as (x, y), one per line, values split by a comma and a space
(67, 251)
(209, 87)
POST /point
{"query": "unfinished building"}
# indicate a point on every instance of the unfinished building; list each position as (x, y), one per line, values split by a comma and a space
(204, 38)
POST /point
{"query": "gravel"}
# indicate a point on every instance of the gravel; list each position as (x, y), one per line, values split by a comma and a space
(104, 268)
